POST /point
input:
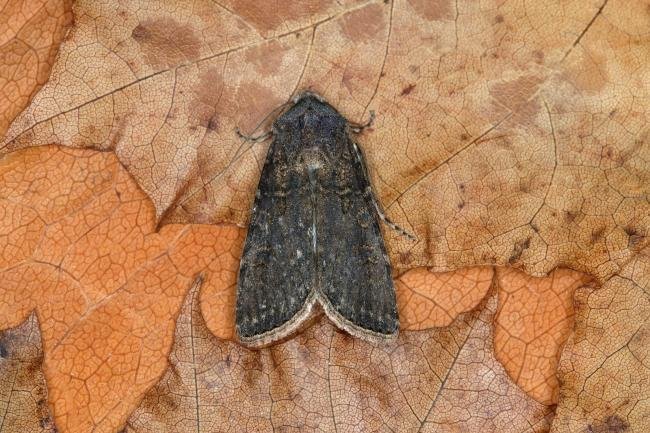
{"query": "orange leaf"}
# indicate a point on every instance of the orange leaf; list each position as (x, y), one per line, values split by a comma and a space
(29, 40)
(82, 250)
(428, 299)
(534, 320)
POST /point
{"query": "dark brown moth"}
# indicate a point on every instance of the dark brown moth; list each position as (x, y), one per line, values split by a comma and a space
(314, 235)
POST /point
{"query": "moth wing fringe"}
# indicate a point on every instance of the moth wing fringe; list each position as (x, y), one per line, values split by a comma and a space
(353, 329)
(284, 330)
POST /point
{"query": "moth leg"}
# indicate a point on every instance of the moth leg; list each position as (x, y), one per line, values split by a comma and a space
(254, 139)
(369, 195)
(358, 127)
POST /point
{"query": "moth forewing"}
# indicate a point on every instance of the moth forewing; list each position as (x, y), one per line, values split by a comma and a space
(314, 235)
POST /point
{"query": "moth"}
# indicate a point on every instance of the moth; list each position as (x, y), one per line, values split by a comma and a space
(314, 234)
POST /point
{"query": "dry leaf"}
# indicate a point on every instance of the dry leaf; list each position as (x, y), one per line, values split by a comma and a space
(30, 35)
(507, 133)
(605, 367)
(23, 394)
(79, 245)
(533, 322)
(82, 250)
(442, 380)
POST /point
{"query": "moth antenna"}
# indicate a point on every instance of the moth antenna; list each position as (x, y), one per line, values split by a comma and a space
(371, 196)
(392, 225)
(358, 127)
(252, 138)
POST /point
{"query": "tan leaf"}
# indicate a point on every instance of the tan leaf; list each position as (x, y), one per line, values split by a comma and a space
(442, 380)
(499, 139)
(82, 250)
(30, 35)
(605, 367)
(23, 394)
(507, 133)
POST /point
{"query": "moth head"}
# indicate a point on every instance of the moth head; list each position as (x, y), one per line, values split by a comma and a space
(310, 115)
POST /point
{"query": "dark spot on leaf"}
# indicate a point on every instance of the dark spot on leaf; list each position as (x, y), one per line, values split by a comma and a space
(266, 16)
(433, 10)
(206, 97)
(228, 360)
(347, 339)
(597, 234)
(39, 393)
(407, 90)
(611, 424)
(634, 237)
(267, 58)
(405, 257)
(46, 423)
(34, 367)
(498, 19)
(364, 24)
(518, 250)
(158, 400)
(569, 216)
(464, 137)
(166, 42)
(461, 205)
(274, 361)
(140, 33)
(374, 388)
(213, 123)
(3, 350)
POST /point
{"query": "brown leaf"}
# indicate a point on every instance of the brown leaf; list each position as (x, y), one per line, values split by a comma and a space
(29, 40)
(499, 140)
(81, 249)
(323, 380)
(507, 133)
(605, 367)
(23, 394)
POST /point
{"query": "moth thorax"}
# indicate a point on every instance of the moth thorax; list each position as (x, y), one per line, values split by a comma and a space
(313, 159)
